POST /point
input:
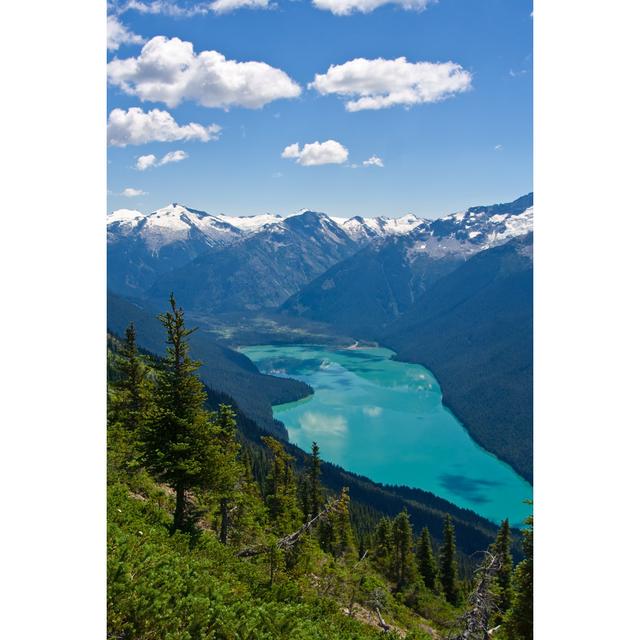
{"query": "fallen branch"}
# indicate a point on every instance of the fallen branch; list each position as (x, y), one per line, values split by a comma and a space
(292, 539)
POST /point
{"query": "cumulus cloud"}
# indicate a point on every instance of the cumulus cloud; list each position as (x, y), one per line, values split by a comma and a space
(145, 162)
(315, 153)
(380, 83)
(136, 126)
(169, 71)
(150, 160)
(118, 34)
(373, 161)
(314, 424)
(347, 7)
(130, 192)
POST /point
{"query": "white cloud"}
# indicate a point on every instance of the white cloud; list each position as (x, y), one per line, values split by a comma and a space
(372, 412)
(150, 160)
(118, 34)
(174, 156)
(315, 153)
(130, 192)
(498, 147)
(318, 424)
(226, 6)
(162, 7)
(144, 162)
(136, 126)
(347, 7)
(168, 70)
(373, 161)
(380, 83)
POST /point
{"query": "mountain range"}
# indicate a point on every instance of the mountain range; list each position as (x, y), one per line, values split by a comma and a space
(454, 293)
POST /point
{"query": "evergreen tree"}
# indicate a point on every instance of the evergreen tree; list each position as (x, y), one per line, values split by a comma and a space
(449, 563)
(403, 558)
(315, 489)
(519, 619)
(383, 544)
(180, 443)
(229, 468)
(129, 403)
(502, 547)
(426, 560)
(281, 489)
(336, 536)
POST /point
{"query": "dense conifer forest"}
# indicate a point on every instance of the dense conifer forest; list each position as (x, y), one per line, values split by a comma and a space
(217, 529)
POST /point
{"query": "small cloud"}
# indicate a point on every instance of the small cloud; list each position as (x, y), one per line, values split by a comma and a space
(316, 153)
(174, 156)
(277, 174)
(118, 34)
(515, 74)
(498, 147)
(373, 161)
(145, 162)
(130, 192)
(372, 412)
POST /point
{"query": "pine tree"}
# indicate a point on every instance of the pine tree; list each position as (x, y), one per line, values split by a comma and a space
(502, 547)
(281, 489)
(129, 404)
(383, 544)
(403, 558)
(337, 536)
(519, 619)
(315, 489)
(180, 444)
(449, 563)
(229, 468)
(426, 560)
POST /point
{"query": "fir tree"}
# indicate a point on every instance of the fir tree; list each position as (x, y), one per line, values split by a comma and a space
(229, 469)
(129, 404)
(383, 544)
(281, 488)
(519, 619)
(315, 489)
(180, 444)
(502, 547)
(426, 560)
(403, 559)
(336, 536)
(449, 563)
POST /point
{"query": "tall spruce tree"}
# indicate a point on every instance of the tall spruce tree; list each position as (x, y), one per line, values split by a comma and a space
(181, 446)
(502, 547)
(129, 403)
(426, 560)
(519, 619)
(281, 489)
(403, 558)
(315, 488)
(449, 563)
(229, 468)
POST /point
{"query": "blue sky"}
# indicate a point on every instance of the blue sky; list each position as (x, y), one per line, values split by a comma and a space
(473, 147)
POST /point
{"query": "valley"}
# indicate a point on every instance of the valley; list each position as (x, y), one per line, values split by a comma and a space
(453, 296)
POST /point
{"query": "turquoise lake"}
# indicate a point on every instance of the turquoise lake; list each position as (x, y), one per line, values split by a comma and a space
(384, 419)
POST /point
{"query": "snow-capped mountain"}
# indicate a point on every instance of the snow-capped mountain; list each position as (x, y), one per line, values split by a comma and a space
(385, 278)
(364, 229)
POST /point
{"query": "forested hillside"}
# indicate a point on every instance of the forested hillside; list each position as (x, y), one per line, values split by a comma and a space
(474, 330)
(218, 533)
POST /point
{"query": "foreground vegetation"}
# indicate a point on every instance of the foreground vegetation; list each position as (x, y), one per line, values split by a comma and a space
(211, 537)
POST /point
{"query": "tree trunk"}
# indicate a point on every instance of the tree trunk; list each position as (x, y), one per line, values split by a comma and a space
(224, 524)
(178, 514)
